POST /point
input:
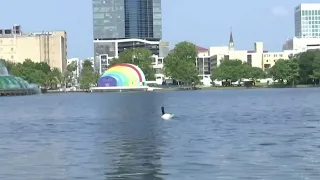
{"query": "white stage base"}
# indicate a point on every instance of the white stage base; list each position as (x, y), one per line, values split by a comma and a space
(119, 89)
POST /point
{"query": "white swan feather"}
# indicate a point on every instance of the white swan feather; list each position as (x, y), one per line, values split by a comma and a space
(167, 116)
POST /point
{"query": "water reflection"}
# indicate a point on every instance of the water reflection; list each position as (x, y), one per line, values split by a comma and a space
(137, 136)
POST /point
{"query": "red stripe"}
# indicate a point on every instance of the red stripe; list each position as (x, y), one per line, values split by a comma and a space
(132, 67)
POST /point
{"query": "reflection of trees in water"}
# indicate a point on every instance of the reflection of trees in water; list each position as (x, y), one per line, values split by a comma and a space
(137, 133)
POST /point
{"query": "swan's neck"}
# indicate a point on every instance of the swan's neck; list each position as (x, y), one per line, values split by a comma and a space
(163, 112)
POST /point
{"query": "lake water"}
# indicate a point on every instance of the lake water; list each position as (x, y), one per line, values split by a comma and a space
(270, 134)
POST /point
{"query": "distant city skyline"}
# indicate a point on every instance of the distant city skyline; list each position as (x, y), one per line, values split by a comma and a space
(205, 22)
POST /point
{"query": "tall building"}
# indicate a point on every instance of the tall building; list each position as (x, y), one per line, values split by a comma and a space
(307, 21)
(127, 19)
(49, 47)
(307, 28)
(125, 24)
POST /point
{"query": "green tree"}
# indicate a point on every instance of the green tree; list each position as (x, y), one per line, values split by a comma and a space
(305, 61)
(27, 63)
(88, 77)
(280, 70)
(72, 66)
(285, 70)
(186, 51)
(294, 72)
(229, 70)
(316, 68)
(42, 66)
(69, 74)
(55, 78)
(36, 72)
(87, 64)
(255, 73)
(180, 65)
(235, 70)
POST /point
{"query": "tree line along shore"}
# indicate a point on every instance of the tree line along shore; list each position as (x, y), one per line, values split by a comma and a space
(301, 69)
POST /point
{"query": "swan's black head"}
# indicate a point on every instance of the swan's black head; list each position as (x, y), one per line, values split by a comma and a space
(162, 109)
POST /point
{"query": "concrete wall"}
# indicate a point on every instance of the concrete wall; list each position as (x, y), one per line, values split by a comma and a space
(50, 48)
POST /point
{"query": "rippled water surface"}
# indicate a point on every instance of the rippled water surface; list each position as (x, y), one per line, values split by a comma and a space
(270, 134)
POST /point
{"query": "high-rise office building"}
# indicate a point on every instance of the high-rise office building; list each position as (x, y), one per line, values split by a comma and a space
(307, 28)
(124, 24)
(307, 21)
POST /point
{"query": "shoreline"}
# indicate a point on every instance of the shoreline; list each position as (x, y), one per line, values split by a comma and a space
(201, 88)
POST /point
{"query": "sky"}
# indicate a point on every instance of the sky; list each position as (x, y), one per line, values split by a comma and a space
(203, 22)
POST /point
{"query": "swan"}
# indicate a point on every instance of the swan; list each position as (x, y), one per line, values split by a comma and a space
(164, 115)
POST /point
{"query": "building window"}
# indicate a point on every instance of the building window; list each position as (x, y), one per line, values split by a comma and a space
(267, 66)
(103, 57)
(12, 57)
(249, 59)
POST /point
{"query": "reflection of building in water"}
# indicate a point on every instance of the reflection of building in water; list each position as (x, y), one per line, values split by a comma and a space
(137, 138)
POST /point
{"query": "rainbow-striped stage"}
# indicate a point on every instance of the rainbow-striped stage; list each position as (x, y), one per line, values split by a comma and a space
(123, 75)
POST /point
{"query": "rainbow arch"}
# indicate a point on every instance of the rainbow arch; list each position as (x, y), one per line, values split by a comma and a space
(124, 74)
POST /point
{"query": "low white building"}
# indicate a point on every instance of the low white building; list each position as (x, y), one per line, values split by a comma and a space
(106, 50)
(79, 63)
(301, 44)
(258, 57)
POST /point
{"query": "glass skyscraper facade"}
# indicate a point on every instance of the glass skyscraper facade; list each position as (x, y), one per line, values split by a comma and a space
(126, 19)
(124, 24)
(307, 21)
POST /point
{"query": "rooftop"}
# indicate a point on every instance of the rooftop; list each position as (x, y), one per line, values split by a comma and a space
(16, 30)
(201, 49)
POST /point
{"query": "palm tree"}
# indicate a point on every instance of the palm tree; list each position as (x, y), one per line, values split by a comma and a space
(55, 77)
